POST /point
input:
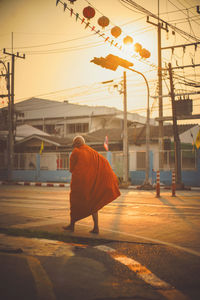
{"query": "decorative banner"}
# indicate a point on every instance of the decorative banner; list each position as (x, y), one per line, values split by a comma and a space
(89, 12)
(88, 23)
(65, 6)
(42, 147)
(197, 142)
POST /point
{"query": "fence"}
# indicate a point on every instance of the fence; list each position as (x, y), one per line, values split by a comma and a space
(49, 166)
(137, 160)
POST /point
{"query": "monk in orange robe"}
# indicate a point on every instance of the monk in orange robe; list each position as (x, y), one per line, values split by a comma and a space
(93, 183)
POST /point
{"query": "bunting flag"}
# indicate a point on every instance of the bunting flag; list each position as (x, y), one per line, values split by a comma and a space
(114, 31)
(106, 143)
(65, 6)
(88, 23)
(197, 142)
(42, 147)
(193, 143)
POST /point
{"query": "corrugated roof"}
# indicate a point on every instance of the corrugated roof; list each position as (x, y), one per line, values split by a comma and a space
(25, 130)
(50, 139)
(134, 134)
(36, 108)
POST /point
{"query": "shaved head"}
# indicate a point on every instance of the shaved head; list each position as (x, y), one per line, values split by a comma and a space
(78, 141)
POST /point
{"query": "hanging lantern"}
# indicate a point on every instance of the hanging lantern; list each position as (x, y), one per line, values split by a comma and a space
(116, 31)
(128, 40)
(144, 53)
(103, 21)
(137, 47)
(88, 12)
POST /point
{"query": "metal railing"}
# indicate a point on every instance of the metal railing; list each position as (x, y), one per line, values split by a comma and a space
(60, 161)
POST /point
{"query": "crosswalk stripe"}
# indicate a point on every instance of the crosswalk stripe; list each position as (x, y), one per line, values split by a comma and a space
(164, 288)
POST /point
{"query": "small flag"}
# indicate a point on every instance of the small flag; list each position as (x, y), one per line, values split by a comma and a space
(42, 147)
(197, 142)
(65, 6)
(106, 143)
(193, 143)
(77, 15)
(88, 23)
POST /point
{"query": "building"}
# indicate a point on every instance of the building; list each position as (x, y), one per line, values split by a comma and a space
(64, 119)
(55, 125)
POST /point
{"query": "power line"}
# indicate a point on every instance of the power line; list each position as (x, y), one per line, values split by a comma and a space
(148, 13)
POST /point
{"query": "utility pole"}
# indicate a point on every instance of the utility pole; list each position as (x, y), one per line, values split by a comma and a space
(177, 145)
(160, 25)
(160, 102)
(125, 135)
(11, 109)
(9, 120)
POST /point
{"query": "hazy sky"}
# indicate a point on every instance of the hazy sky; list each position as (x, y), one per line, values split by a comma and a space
(58, 50)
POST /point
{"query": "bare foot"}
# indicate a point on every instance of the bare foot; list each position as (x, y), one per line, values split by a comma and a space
(69, 228)
(95, 231)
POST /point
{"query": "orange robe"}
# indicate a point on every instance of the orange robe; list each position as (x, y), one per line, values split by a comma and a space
(93, 182)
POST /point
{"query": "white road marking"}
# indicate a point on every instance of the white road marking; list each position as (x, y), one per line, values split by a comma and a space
(43, 284)
(164, 288)
(190, 251)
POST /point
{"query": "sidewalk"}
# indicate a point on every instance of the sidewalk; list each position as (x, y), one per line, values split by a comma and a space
(62, 184)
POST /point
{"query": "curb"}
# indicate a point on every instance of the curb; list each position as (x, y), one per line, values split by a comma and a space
(49, 184)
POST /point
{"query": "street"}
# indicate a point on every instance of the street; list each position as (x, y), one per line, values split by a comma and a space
(148, 247)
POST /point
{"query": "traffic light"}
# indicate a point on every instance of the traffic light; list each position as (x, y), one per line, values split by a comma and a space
(112, 62)
(119, 61)
(104, 63)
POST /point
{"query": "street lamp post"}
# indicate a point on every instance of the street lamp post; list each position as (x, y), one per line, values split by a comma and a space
(10, 122)
(146, 182)
(112, 62)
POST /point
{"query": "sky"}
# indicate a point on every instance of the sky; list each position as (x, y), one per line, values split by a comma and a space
(58, 50)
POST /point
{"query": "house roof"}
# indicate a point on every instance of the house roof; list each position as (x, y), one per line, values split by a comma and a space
(59, 142)
(36, 108)
(25, 130)
(136, 135)
(115, 136)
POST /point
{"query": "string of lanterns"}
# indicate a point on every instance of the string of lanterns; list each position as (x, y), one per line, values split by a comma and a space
(103, 21)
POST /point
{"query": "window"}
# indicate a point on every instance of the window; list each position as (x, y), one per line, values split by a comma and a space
(78, 127)
(141, 160)
(62, 161)
(188, 159)
(50, 129)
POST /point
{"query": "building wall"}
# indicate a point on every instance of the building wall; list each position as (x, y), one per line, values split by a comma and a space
(60, 172)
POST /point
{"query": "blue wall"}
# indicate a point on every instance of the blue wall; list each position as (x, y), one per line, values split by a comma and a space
(189, 177)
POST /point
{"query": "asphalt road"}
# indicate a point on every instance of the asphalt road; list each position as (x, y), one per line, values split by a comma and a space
(148, 247)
